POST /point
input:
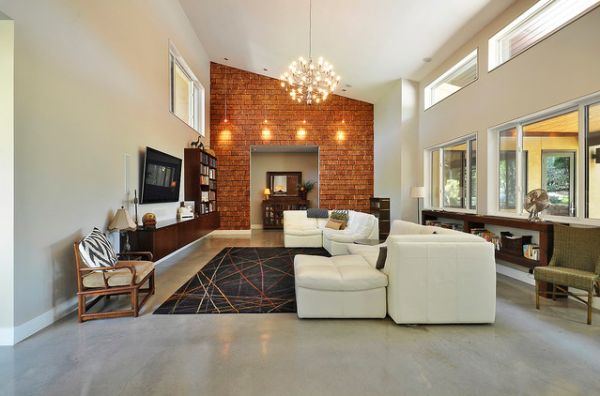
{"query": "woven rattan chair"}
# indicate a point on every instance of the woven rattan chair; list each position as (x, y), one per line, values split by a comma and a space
(575, 263)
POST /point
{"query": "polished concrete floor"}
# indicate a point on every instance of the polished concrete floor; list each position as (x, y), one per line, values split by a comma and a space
(527, 352)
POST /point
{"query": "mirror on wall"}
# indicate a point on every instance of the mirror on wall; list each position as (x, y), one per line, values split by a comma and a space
(284, 184)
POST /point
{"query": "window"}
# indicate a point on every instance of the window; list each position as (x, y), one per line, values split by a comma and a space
(187, 94)
(453, 175)
(534, 25)
(558, 152)
(593, 161)
(456, 78)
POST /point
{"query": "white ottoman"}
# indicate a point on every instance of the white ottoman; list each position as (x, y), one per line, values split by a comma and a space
(339, 287)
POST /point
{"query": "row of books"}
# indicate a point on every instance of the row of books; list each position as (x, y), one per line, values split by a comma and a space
(204, 180)
(207, 207)
(488, 236)
(208, 160)
(207, 196)
(532, 251)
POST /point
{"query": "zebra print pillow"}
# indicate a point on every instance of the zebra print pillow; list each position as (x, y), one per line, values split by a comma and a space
(96, 250)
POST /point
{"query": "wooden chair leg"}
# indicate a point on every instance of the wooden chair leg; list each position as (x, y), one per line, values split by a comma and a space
(80, 308)
(134, 302)
(589, 307)
(537, 295)
(554, 291)
(152, 287)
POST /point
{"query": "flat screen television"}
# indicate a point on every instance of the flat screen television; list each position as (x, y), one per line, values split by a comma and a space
(160, 177)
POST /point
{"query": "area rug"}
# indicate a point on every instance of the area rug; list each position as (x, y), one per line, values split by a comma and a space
(241, 280)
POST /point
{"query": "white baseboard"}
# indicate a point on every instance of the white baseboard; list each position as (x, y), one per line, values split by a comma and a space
(232, 232)
(256, 226)
(36, 324)
(7, 336)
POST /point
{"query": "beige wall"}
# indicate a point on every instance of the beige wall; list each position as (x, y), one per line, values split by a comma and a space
(7, 177)
(261, 163)
(562, 67)
(395, 147)
(91, 85)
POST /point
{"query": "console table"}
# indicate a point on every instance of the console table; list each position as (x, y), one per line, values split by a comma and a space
(273, 210)
(171, 235)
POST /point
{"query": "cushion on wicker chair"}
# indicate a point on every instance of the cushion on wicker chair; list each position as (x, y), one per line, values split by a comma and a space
(583, 280)
(119, 277)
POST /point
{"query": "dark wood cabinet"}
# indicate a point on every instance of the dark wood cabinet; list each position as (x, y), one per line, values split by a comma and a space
(273, 208)
(169, 236)
(380, 208)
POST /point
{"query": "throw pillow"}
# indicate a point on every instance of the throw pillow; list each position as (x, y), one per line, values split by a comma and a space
(96, 250)
(381, 258)
(334, 224)
(342, 216)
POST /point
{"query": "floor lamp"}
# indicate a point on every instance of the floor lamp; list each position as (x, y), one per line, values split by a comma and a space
(418, 193)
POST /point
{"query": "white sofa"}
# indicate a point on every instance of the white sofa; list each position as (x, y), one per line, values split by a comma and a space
(434, 275)
(301, 231)
(339, 287)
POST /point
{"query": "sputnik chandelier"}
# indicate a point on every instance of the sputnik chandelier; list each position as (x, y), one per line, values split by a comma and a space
(307, 81)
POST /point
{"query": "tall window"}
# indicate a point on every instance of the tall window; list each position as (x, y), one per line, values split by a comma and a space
(593, 161)
(187, 94)
(453, 175)
(534, 25)
(456, 78)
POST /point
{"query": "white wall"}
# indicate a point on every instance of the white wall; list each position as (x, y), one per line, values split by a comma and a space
(91, 85)
(261, 163)
(395, 147)
(7, 176)
(561, 68)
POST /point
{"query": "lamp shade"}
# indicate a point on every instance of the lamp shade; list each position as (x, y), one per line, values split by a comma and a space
(417, 192)
(122, 221)
(267, 191)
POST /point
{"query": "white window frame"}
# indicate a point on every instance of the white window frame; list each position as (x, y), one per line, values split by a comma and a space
(428, 179)
(427, 94)
(494, 48)
(197, 102)
(579, 105)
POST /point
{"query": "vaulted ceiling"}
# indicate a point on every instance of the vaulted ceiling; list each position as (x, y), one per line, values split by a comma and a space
(370, 42)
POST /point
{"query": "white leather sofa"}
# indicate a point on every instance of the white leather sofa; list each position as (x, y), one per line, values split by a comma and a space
(360, 226)
(301, 231)
(339, 287)
(436, 275)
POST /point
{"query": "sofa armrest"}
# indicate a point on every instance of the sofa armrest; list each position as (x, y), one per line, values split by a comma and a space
(441, 282)
(340, 236)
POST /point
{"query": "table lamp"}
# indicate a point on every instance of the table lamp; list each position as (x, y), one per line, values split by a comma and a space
(418, 193)
(267, 192)
(122, 222)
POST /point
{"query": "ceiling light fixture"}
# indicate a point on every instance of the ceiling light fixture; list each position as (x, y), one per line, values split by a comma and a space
(306, 80)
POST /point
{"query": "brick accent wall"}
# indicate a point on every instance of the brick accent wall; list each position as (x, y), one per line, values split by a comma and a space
(346, 157)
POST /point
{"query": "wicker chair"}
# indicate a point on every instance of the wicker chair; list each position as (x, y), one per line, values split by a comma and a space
(575, 263)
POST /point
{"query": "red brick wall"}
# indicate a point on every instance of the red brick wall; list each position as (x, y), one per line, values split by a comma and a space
(346, 165)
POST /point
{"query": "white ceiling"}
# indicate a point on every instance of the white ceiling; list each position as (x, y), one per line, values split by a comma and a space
(370, 42)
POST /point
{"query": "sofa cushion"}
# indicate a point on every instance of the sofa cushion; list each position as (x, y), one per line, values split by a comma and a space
(302, 231)
(338, 273)
(119, 277)
(334, 224)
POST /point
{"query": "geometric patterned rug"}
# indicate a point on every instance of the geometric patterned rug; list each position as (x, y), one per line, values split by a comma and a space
(241, 280)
